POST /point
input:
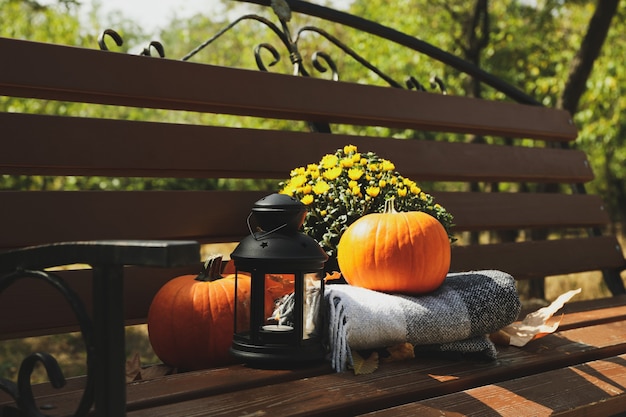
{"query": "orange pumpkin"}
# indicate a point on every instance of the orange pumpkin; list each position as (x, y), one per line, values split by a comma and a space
(396, 252)
(275, 287)
(190, 321)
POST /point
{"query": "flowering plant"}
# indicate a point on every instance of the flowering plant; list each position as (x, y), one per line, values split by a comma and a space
(348, 184)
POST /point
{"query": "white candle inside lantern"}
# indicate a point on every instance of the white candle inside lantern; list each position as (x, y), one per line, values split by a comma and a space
(277, 328)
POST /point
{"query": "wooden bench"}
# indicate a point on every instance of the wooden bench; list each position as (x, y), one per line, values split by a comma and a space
(137, 240)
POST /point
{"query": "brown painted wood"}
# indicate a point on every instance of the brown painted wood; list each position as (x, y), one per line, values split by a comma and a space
(542, 258)
(596, 388)
(492, 211)
(220, 216)
(427, 374)
(31, 218)
(121, 79)
(317, 391)
(39, 310)
(49, 145)
(399, 383)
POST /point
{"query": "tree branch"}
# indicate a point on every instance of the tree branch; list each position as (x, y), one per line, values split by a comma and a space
(589, 51)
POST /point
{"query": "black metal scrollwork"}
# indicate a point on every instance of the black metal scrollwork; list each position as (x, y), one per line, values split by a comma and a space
(119, 41)
(113, 35)
(321, 61)
(21, 392)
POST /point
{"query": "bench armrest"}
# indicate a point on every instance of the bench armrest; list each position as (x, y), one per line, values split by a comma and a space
(160, 253)
(103, 332)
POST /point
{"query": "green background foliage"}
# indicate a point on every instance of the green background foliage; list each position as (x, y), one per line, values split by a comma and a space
(530, 45)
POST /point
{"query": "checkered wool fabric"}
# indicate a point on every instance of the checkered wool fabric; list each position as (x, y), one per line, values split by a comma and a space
(454, 318)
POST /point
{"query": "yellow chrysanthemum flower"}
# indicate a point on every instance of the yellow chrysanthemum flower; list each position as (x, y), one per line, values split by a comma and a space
(347, 162)
(402, 192)
(321, 187)
(332, 173)
(382, 183)
(348, 149)
(307, 199)
(297, 172)
(298, 181)
(372, 191)
(415, 189)
(288, 190)
(329, 161)
(307, 189)
(388, 165)
(355, 173)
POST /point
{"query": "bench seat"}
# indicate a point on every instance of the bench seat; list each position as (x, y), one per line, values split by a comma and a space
(587, 351)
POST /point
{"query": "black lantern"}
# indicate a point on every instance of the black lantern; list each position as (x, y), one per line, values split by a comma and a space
(286, 331)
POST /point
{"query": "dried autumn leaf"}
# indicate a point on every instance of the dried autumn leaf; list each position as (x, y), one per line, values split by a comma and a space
(501, 338)
(156, 371)
(332, 276)
(362, 366)
(400, 352)
(133, 368)
(535, 324)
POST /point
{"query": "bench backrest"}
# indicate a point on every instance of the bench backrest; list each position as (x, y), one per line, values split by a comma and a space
(71, 145)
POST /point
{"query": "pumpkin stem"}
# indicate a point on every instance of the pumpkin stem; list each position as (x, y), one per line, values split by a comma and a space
(390, 207)
(211, 269)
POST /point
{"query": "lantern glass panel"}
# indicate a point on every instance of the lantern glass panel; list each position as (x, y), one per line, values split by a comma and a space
(313, 290)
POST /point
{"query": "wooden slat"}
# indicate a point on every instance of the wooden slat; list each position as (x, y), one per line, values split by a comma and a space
(407, 381)
(595, 388)
(141, 284)
(50, 145)
(104, 77)
(488, 211)
(31, 218)
(584, 313)
(423, 376)
(31, 302)
(543, 258)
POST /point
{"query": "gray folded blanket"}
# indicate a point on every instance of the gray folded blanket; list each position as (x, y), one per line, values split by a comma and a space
(454, 318)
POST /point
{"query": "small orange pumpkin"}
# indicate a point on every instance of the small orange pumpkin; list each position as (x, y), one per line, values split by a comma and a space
(191, 318)
(396, 252)
(276, 286)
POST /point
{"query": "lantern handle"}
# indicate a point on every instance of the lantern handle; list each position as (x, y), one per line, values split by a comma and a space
(265, 234)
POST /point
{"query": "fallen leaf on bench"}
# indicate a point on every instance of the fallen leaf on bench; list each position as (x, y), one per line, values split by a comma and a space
(332, 276)
(534, 326)
(134, 371)
(399, 352)
(363, 366)
(156, 371)
(133, 368)
(366, 362)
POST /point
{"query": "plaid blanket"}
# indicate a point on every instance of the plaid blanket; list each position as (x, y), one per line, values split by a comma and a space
(454, 318)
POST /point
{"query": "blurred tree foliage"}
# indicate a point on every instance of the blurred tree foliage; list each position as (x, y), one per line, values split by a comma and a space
(530, 44)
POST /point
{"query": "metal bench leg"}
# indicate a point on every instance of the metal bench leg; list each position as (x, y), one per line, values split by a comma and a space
(108, 319)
